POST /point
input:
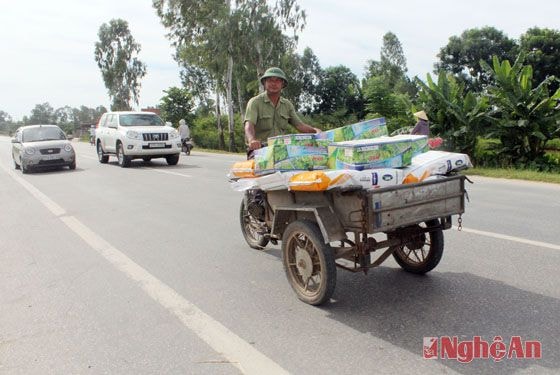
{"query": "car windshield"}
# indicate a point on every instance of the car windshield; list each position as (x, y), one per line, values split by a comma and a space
(140, 120)
(42, 133)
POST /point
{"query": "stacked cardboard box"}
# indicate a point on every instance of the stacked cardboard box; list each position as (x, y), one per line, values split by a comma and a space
(281, 157)
(360, 154)
(418, 143)
(307, 140)
(383, 152)
(291, 152)
(362, 130)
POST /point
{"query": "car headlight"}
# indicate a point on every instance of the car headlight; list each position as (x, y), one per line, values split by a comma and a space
(133, 134)
(68, 148)
(30, 150)
(173, 134)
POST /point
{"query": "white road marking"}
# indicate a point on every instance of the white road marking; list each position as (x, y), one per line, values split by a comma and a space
(511, 238)
(168, 172)
(237, 351)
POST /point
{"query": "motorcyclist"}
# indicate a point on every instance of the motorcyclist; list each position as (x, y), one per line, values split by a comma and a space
(92, 134)
(184, 131)
(269, 114)
(185, 134)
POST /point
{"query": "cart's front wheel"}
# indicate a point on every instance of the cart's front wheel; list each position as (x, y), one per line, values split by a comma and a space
(309, 262)
(252, 228)
(422, 252)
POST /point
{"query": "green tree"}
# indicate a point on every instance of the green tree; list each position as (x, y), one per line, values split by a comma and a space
(116, 56)
(42, 114)
(177, 104)
(87, 116)
(381, 100)
(202, 32)
(393, 62)
(5, 122)
(526, 116)
(5, 117)
(462, 54)
(456, 115)
(261, 29)
(202, 83)
(339, 90)
(542, 50)
(308, 75)
(387, 89)
(64, 115)
(216, 36)
(392, 67)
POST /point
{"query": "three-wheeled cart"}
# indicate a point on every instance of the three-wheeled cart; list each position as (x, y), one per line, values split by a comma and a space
(322, 230)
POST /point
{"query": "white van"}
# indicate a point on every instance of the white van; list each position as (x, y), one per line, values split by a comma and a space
(136, 135)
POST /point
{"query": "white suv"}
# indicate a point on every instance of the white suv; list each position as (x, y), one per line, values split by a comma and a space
(136, 135)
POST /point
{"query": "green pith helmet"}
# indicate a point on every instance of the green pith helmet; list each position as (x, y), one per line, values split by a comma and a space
(274, 72)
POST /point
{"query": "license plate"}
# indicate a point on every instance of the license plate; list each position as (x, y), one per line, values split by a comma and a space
(156, 145)
(50, 157)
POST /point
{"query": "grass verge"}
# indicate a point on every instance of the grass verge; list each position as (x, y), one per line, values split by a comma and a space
(515, 174)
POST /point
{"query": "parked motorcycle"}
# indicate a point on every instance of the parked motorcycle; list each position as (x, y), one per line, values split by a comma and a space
(187, 146)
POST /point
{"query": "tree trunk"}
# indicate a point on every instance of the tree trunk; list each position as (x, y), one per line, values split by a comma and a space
(260, 69)
(229, 100)
(240, 101)
(221, 140)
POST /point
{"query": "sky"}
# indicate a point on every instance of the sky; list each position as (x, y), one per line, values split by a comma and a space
(48, 46)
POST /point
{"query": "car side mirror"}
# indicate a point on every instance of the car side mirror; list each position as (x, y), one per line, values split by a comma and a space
(114, 126)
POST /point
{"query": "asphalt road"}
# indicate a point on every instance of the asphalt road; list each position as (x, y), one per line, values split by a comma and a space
(144, 271)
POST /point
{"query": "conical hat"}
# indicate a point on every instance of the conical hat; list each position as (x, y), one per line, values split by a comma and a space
(422, 115)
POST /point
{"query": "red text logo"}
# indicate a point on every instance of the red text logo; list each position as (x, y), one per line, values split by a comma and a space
(465, 351)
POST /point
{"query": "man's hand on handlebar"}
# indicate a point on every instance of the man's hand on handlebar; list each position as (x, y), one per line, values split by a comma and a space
(255, 144)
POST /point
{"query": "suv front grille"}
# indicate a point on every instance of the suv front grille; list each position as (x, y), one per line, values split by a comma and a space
(155, 136)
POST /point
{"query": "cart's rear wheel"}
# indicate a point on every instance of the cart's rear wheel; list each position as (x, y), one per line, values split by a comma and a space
(309, 262)
(423, 252)
(252, 229)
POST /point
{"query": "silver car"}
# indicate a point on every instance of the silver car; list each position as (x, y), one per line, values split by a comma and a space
(42, 146)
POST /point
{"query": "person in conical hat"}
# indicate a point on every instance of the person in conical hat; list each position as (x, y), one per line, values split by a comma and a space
(422, 127)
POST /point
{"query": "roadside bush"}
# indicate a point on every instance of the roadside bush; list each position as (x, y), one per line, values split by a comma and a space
(553, 144)
(524, 112)
(486, 153)
(204, 132)
(546, 163)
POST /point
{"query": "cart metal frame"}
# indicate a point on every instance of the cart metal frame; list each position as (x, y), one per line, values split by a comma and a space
(411, 216)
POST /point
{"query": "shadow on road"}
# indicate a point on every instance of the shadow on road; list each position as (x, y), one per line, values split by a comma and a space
(402, 308)
(52, 170)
